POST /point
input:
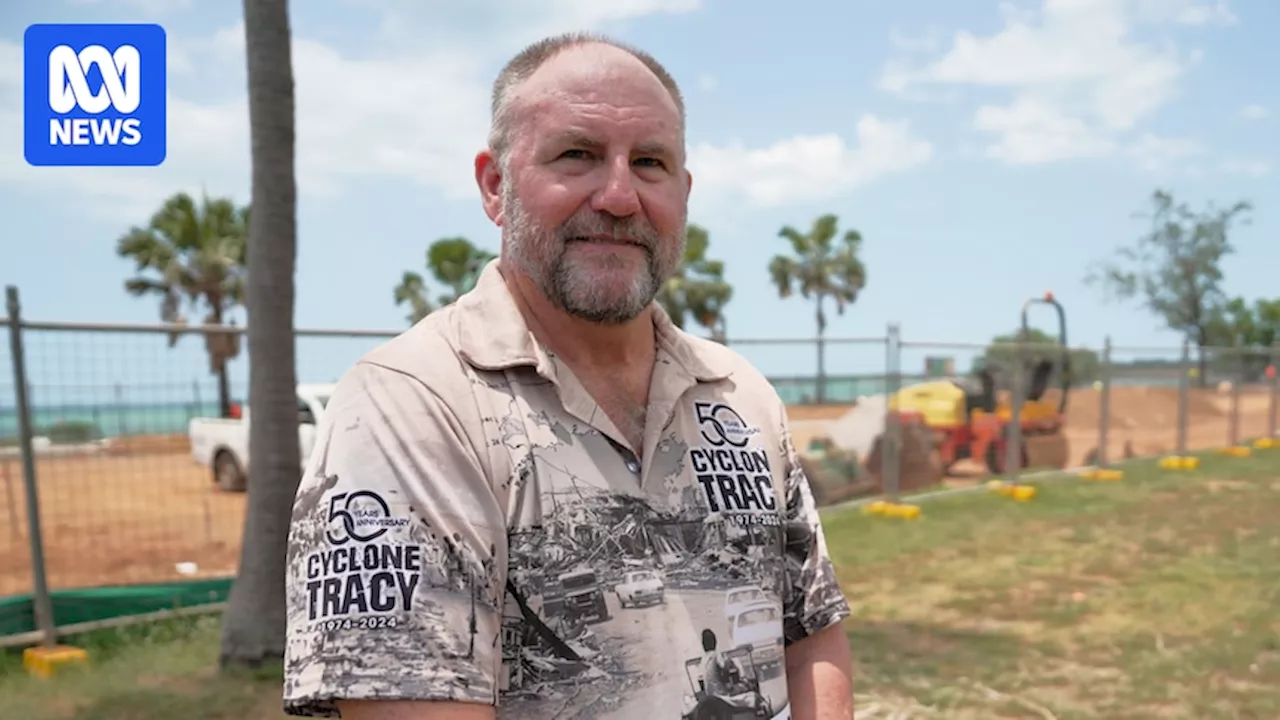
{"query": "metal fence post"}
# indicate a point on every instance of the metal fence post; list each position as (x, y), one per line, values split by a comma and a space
(1013, 434)
(892, 435)
(1104, 404)
(1274, 405)
(1241, 369)
(43, 603)
(1184, 396)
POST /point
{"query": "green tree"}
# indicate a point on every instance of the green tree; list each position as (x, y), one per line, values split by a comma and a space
(1000, 354)
(254, 624)
(824, 265)
(455, 263)
(698, 289)
(193, 254)
(1252, 330)
(1176, 267)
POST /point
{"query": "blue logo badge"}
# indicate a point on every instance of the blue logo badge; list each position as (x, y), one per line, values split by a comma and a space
(94, 95)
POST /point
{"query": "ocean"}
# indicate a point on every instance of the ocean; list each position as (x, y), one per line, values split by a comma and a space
(110, 420)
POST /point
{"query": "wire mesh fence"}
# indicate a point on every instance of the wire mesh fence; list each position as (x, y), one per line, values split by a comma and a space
(125, 498)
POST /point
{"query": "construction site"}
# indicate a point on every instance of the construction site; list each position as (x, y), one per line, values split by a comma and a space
(140, 510)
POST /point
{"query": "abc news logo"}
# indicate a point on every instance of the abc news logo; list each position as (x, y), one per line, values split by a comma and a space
(69, 89)
(94, 95)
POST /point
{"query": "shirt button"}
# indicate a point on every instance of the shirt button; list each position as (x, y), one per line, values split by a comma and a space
(633, 465)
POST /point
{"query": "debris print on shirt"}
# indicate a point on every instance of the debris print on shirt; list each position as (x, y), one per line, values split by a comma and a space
(624, 611)
(383, 604)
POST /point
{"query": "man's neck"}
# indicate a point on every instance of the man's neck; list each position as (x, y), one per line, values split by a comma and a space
(579, 342)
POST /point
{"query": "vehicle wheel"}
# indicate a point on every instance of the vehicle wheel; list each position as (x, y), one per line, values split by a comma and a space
(227, 473)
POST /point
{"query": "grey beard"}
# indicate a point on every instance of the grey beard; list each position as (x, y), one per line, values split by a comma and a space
(556, 278)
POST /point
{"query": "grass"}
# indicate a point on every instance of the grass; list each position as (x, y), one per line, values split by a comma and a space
(1154, 597)
(147, 672)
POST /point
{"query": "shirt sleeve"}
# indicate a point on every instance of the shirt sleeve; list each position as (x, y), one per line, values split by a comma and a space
(813, 598)
(396, 557)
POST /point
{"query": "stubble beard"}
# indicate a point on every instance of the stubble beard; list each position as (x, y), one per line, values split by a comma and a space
(540, 252)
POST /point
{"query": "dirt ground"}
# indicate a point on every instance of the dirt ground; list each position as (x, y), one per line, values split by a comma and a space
(1142, 420)
(118, 519)
(132, 515)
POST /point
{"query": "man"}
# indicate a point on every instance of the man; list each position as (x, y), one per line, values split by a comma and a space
(555, 426)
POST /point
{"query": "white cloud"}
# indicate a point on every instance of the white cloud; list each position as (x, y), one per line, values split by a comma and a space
(1186, 12)
(707, 82)
(1157, 154)
(150, 7)
(410, 113)
(806, 167)
(1254, 112)
(1077, 77)
(1252, 168)
(1032, 131)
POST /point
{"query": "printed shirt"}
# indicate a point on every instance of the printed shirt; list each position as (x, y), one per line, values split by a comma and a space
(472, 527)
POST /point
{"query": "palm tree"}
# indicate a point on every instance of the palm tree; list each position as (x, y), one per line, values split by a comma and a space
(821, 268)
(455, 263)
(253, 629)
(194, 253)
(698, 288)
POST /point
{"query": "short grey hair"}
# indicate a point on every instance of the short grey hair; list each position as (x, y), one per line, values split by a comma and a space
(521, 67)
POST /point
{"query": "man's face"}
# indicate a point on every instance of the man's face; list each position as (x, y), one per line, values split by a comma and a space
(594, 194)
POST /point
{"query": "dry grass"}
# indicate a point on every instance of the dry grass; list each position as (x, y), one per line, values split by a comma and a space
(1155, 597)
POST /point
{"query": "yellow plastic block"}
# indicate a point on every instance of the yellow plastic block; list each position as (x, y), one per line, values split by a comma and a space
(1177, 462)
(906, 512)
(1266, 443)
(45, 661)
(1103, 475)
(1236, 451)
(1021, 493)
(875, 508)
(888, 509)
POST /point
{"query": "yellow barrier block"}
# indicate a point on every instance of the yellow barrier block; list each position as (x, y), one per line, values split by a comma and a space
(1177, 462)
(1021, 493)
(888, 509)
(1266, 443)
(906, 512)
(44, 661)
(1103, 475)
(1236, 451)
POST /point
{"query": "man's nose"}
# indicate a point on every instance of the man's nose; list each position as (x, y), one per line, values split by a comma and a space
(618, 197)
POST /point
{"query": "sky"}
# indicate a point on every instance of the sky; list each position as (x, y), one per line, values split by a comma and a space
(986, 151)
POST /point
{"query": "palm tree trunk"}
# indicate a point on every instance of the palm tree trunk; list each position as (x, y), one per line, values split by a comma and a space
(822, 353)
(224, 391)
(253, 628)
(220, 361)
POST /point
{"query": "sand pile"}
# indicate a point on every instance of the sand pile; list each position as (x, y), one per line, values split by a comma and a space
(1138, 407)
(858, 428)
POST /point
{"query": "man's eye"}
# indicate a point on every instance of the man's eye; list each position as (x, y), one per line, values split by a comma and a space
(576, 154)
(651, 162)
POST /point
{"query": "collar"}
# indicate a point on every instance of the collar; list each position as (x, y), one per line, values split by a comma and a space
(493, 335)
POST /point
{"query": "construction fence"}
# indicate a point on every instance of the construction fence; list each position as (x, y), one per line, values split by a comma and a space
(106, 513)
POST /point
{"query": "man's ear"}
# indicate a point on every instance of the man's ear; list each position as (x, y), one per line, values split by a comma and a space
(489, 180)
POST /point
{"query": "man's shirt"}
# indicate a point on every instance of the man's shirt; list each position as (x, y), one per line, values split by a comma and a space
(472, 527)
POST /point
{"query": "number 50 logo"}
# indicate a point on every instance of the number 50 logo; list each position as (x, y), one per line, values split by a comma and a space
(348, 510)
(722, 425)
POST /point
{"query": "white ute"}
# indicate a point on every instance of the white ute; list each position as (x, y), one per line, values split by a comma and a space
(222, 444)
